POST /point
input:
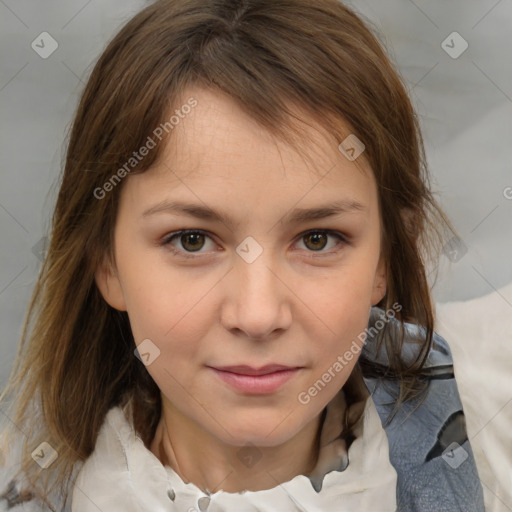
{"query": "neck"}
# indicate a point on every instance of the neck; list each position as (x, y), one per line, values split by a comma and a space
(199, 457)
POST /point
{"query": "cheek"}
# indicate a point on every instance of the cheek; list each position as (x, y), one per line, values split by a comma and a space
(178, 333)
(178, 330)
(341, 298)
(341, 306)
(347, 324)
(177, 320)
(163, 301)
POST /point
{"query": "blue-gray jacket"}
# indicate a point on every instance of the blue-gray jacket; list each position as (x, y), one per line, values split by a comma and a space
(428, 443)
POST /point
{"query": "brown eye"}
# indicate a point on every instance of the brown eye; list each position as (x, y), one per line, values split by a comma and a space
(192, 241)
(324, 242)
(316, 240)
(184, 243)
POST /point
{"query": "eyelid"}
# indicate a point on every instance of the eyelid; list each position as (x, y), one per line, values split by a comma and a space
(166, 241)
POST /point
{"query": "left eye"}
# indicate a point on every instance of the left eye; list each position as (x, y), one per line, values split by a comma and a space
(318, 239)
(194, 240)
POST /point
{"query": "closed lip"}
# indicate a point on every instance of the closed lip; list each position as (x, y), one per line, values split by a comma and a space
(249, 370)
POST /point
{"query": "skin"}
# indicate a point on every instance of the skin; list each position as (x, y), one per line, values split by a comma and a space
(293, 305)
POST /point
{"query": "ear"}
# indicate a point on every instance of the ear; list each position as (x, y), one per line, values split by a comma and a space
(380, 282)
(109, 285)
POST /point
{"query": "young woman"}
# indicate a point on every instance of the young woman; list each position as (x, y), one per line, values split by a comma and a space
(234, 312)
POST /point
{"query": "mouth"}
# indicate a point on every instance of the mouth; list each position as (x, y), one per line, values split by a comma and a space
(256, 381)
(249, 370)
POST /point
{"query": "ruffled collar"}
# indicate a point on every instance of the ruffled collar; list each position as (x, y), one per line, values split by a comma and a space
(367, 482)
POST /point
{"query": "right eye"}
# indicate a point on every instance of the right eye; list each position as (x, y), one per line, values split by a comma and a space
(191, 241)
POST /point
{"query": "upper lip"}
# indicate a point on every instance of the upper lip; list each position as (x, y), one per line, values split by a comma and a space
(249, 370)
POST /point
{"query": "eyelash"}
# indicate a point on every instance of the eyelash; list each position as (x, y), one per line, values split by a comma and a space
(166, 241)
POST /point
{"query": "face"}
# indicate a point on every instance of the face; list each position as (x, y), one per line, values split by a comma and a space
(263, 277)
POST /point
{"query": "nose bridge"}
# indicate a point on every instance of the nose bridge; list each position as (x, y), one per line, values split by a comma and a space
(258, 278)
(257, 299)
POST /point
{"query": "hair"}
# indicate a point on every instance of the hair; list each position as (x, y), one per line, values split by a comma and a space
(273, 58)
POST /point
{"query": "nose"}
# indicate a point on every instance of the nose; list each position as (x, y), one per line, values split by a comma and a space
(257, 299)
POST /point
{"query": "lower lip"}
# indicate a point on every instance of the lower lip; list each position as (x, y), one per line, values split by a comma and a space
(256, 384)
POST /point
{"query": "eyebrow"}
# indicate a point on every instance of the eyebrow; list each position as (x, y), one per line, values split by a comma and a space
(296, 216)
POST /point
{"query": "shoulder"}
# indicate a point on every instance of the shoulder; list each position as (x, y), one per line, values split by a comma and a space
(428, 442)
(16, 494)
(109, 458)
(120, 460)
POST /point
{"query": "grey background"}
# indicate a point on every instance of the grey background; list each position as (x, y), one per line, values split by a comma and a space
(465, 106)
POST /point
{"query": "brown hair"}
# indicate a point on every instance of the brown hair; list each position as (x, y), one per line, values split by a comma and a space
(75, 358)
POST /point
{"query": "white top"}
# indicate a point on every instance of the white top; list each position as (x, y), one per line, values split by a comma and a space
(123, 475)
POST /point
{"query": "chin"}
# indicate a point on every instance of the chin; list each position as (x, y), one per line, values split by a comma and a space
(264, 432)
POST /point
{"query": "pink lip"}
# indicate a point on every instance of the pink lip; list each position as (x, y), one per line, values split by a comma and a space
(256, 381)
(249, 370)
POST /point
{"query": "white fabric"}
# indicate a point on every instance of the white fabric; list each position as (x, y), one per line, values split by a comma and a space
(123, 475)
(479, 333)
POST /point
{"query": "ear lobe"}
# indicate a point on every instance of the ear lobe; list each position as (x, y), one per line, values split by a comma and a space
(380, 282)
(109, 285)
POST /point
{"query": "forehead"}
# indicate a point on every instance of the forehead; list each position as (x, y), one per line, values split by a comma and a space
(218, 125)
(217, 147)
